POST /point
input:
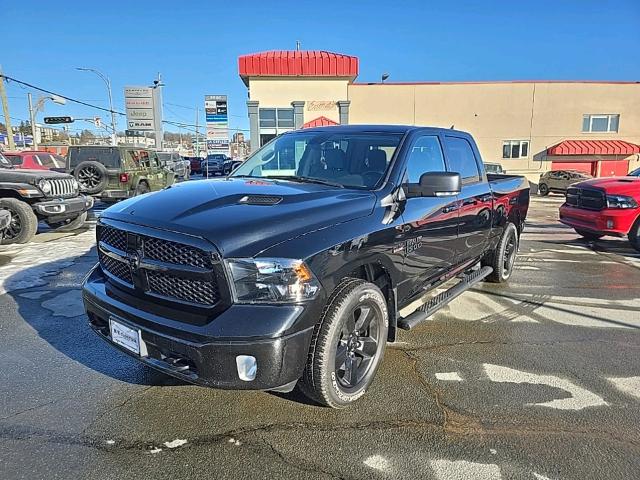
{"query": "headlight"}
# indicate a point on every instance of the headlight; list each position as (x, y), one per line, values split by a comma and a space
(271, 280)
(45, 186)
(621, 201)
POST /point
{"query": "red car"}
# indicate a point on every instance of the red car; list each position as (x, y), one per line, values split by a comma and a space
(35, 160)
(604, 206)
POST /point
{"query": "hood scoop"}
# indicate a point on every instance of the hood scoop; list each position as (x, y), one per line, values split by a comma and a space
(260, 200)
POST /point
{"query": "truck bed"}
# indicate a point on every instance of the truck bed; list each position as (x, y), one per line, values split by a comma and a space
(503, 183)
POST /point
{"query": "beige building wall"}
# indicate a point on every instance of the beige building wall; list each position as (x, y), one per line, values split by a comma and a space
(544, 113)
(319, 94)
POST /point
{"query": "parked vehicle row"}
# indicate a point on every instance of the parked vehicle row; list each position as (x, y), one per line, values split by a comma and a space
(293, 270)
(34, 195)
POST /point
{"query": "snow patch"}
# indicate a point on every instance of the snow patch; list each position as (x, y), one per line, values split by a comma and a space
(580, 397)
(493, 451)
(377, 462)
(175, 443)
(628, 385)
(111, 442)
(540, 477)
(463, 470)
(155, 450)
(449, 376)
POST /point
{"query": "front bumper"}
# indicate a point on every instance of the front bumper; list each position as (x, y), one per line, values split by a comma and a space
(192, 353)
(115, 194)
(64, 208)
(609, 221)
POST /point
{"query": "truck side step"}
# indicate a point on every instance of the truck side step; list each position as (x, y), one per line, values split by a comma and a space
(443, 298)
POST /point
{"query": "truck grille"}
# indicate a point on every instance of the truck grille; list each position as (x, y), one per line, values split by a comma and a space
(586, 198)
(164, 268)
(62, 187)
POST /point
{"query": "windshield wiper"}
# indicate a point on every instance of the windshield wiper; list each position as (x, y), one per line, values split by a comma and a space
(298, 179)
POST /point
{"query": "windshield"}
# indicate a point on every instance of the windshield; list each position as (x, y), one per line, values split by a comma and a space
(216, 157)
(107, 156)
(357, 160)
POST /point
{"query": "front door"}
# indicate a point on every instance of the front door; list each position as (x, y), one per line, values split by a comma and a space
(429, 224)
(476, 199)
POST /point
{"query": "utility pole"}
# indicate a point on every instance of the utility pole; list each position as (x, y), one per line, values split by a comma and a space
(32, 121)
(5, 108)
(197, 133)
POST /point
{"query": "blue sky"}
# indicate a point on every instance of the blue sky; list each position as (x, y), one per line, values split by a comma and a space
(195, 44)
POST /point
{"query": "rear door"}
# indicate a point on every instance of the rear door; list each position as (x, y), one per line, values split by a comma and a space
(476, 199)
(429, 224)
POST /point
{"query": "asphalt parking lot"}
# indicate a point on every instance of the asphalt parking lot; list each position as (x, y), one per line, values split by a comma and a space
(537, 379)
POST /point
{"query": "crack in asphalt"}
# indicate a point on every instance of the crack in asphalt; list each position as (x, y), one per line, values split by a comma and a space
(116, 407)
(303, 468)
(35, 407)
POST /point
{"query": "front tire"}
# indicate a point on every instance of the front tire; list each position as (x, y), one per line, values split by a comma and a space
(504, 256)
(348, 344)
(24, 223)
(634, 235)
(543, 189)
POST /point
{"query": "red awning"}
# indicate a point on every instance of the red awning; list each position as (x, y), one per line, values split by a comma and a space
(594, 147)
(319, 122)
(287, 63)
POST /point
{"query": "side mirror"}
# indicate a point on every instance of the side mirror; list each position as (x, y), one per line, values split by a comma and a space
(436, 184)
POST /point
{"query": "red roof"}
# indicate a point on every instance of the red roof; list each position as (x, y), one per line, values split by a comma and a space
(320, 122)
(594, 147)
(287, 63)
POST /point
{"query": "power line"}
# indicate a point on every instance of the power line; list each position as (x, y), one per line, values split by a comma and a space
(70, 99)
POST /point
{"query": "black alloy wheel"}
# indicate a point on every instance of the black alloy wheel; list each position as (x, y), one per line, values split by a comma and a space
(89, 177)
(357, 346)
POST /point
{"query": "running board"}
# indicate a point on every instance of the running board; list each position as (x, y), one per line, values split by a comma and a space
(436, 303)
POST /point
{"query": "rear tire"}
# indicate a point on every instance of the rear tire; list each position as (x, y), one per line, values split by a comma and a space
(348, 344)
(504, 256)
(23, 225)
(589, 235)
(142, 188)
(543, 190)
(634, 235)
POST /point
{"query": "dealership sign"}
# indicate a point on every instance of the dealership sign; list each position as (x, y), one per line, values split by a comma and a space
(217, 122)
(142, 114)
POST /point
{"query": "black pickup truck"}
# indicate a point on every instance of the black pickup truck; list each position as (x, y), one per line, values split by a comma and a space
(33, 195)
(293, 269)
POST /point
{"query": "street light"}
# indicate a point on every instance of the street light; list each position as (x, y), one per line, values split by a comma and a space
(107, 82)
(40, 106)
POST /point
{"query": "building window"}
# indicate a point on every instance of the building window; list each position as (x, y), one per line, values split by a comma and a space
(515, 149)
(267, 118)
(276, 117)
(600, 123)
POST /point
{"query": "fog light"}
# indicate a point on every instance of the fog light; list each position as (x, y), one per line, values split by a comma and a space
(609, 224)
(247, 367)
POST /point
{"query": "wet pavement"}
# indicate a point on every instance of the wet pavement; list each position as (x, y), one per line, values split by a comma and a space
(537, 379)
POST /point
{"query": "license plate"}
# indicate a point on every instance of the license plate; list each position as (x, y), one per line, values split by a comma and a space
(124, 336)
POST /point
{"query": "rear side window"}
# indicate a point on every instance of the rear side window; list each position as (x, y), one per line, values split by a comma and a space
(16, 160)
(425, 156)
(50, 161)
(461, 159)
(107, 156)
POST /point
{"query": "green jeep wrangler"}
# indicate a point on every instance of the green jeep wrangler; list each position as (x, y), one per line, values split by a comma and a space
(115, 173)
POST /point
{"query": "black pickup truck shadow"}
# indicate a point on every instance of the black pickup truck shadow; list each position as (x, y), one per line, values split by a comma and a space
(54, 310)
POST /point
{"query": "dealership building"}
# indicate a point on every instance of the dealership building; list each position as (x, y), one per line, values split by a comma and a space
(529, 127)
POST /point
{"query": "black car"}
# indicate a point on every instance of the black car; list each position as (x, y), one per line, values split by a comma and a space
(214, 165)
(293, 270)
(34, 195)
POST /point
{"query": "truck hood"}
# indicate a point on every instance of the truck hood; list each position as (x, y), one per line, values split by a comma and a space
(243, 216)
(31, 177)
(614, 185)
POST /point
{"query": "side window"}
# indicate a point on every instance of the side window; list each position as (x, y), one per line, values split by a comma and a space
(425, 156)
(46, 160)
(461, 159)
